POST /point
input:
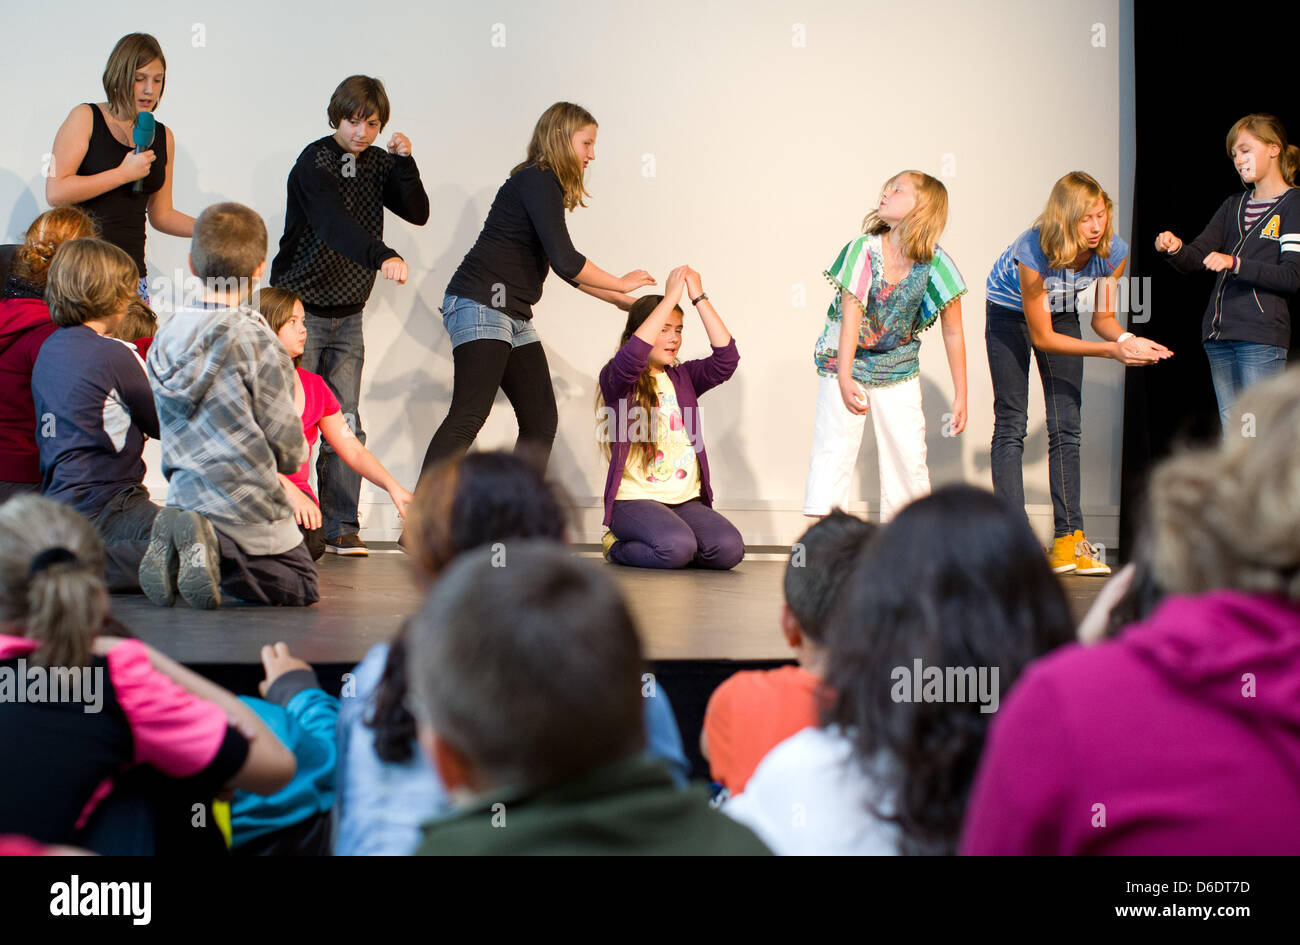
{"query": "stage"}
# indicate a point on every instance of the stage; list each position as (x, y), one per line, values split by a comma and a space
(682, 615)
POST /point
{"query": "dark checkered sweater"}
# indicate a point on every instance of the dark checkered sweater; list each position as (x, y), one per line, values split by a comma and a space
(334, 223)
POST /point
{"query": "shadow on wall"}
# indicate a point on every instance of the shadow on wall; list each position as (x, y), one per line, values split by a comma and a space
(409, 405)
(26, 200)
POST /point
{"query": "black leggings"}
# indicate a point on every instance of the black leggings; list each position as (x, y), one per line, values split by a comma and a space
(481, 369)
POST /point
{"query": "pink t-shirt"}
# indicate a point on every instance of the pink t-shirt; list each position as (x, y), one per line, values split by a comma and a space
(318, 401)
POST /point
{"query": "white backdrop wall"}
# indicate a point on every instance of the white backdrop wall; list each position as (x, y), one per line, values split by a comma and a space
(748, 140)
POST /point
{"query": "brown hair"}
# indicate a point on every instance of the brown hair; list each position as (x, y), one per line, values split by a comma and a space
(551, 148)
(138, 322)
(229, 243)
(357, 98)
(276, 306)
(1270, 131)
(89, 279)
(65, 603)
(642, 450)
(1229, 517)
(1058, 225)
(918, 231)
(47, 233)
(132, 52)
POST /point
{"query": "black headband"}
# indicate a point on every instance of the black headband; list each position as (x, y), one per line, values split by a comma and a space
(56, 555)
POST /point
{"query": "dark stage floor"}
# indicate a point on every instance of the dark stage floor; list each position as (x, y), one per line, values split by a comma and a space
(683, 615)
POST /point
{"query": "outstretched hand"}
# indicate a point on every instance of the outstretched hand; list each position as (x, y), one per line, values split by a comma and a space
(277, 660)
(635, 280)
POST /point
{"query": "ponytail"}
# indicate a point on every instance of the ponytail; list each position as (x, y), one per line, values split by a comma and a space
(52, 587)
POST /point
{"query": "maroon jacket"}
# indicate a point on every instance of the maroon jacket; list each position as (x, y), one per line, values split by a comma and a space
(618, 388)
(24, 326)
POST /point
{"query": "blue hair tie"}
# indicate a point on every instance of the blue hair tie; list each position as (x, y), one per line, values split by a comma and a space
(51, 556)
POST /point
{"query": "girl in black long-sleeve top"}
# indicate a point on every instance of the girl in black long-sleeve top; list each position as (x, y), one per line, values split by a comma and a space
(488, 310)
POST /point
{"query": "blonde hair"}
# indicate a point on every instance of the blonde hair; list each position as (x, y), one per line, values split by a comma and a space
(133, 51)
(47, 233)
(1270, 131)
(65, 603)
(138, 322)
(551, 148)
(919, 230)
(1058, 225)
(89, 279)
(1229, 517)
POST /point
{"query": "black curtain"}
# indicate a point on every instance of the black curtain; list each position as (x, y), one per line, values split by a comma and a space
(1194, 78)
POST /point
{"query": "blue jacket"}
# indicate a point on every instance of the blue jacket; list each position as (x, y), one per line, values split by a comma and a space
(304, 717)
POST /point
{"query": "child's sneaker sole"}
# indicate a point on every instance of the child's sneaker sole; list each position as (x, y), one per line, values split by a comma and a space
(199, 580)
(159, 567)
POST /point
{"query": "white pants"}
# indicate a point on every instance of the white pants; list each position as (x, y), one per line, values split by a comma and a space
(899, 423)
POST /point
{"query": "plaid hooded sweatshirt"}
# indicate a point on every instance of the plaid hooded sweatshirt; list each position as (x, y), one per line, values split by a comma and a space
(223, 385)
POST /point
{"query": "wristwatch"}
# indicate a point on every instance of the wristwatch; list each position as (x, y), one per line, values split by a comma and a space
(703, 296)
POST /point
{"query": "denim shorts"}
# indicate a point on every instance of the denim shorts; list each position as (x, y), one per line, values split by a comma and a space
(467, 320)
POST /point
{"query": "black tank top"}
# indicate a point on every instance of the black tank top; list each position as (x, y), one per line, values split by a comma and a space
(120, 212)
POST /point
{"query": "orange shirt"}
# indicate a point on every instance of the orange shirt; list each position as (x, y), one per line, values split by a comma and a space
(751, 713)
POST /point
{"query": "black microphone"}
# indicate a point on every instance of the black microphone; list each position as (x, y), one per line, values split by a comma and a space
(142, 134)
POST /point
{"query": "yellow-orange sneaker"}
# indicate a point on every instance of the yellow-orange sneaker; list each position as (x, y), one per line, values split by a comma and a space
(1063, 555)
(1087, 560)
(607, 542)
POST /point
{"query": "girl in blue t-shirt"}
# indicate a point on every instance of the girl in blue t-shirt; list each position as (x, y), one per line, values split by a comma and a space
(1062, 265)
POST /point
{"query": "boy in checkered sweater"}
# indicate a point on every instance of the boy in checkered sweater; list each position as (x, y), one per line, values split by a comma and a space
(331, 249)
(223, 385)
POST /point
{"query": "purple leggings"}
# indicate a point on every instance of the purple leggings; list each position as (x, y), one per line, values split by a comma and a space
(654, 535)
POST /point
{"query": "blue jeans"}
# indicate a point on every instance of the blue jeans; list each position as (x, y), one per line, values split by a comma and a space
(1006, 335)
(335, 350)
(1236, 365)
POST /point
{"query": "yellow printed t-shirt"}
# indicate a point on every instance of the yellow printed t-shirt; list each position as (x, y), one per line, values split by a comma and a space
(674, 476)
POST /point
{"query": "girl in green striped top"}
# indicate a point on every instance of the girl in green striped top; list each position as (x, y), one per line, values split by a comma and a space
(892, 283)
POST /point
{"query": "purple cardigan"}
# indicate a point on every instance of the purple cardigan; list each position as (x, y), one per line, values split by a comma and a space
(1184, 733)
(618, 387)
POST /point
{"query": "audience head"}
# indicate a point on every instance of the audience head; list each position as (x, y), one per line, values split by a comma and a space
(47, 233)
(461, 504)
(524, 668)
(51, 579)
(138, 322)
(819, 565)
(90, 280)
(477, 499)
(955, 580)
(286, 317)
(1229, 517)
(228, 248)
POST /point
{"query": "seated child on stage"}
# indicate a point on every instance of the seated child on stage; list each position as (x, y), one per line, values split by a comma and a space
(755, 710)
(137, 327)
(892, 283)
(25, 324)
(658, 498)
(224, 389)
(321, 415)
(94, 407)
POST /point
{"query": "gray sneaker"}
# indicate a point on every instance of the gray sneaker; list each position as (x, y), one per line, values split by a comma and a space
(199, 559)
(159, 566)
